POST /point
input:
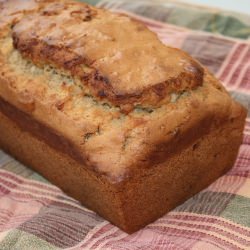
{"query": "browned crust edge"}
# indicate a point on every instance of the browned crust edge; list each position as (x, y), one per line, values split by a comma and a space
(57, 141)
(99, 84)
(27, 123)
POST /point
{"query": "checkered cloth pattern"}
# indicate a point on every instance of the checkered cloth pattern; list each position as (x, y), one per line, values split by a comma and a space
(35, 214)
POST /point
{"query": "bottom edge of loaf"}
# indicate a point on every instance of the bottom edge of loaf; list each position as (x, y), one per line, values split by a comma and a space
(146, 196)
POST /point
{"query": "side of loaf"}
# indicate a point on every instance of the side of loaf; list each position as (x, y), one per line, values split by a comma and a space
(99, 106)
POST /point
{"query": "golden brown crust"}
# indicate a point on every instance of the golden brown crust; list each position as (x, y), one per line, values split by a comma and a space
(41, 131)
(13, 10)
(150, 192)
(180, 131)
(109, 141)
(63, 34)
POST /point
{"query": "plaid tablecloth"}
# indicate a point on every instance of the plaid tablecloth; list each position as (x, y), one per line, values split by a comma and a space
(37, 215)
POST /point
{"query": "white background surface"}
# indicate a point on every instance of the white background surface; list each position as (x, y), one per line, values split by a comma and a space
(233, 5)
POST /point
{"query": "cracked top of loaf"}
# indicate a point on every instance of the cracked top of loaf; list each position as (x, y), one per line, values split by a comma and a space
(115, 58)
(105, 83)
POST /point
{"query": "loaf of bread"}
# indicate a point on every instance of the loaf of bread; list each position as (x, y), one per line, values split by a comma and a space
(94, 102)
